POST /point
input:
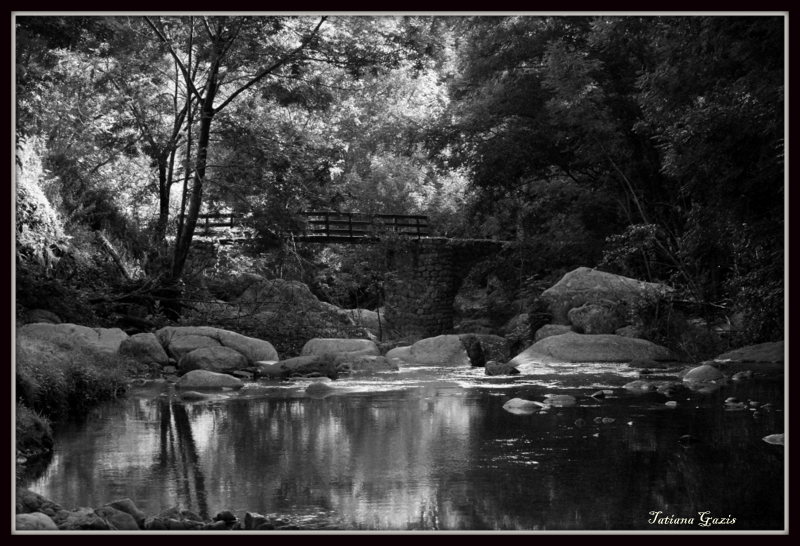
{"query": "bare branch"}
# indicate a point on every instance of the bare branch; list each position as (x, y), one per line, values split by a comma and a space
(185, 72)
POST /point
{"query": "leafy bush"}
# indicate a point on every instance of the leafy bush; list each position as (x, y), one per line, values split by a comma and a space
(33, 432)
(68, 384)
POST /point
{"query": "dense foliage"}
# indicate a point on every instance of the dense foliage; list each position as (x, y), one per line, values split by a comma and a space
(647, 146)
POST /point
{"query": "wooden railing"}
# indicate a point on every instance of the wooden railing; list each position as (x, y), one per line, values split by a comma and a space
(323, 226)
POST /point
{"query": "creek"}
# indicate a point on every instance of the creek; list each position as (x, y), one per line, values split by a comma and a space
(433, 448)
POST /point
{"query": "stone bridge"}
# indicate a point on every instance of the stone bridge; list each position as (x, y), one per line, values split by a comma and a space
(423, 273)
(423, 278)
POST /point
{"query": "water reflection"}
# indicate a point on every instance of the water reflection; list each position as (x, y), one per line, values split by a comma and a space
(435, 456)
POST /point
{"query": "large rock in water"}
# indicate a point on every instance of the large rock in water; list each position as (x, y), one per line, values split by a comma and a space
(69, 336)
(320, 346)
(215, 359)
(763, 352)
(444, 350)
(572, 347)
(703, 374)
(144, 348)
(203, 379)
(179, 340)
(482, 348)
(302, 365)
(584, 285)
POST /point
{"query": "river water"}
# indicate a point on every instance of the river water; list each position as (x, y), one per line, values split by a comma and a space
(433, 448)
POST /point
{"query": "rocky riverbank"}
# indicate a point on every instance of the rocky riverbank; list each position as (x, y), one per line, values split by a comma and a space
(36, 513)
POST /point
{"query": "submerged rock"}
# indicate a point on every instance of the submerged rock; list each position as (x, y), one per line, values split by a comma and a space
(703, 374)
(500, 368)
(203, 379)
(319, 389)
(560, 400)
(522, 407)
(774, 439)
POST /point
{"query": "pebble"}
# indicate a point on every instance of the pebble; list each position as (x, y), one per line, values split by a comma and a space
(671, 404)
(608, 420)
(580, 422)
(731, 400)
(597, 419)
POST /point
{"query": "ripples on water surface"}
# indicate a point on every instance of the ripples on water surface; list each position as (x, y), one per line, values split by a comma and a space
(432, 448)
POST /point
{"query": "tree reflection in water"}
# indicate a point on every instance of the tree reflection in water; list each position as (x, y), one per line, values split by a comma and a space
(178, 456)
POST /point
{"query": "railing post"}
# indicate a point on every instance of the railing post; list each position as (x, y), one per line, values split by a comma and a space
(350, 225)
(327, 224)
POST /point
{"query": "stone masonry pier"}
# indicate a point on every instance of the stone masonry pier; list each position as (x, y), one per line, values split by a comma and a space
(423, 278)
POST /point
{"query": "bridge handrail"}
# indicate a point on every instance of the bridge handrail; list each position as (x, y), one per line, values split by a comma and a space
(325, 225)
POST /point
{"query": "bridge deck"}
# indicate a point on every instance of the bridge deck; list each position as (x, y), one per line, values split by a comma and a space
(320, 227)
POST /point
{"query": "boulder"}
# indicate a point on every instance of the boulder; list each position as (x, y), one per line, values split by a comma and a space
(321, 346)
(71, 336)
(215, 359)
(368, 319)
(35, 521)
(41, 315)
(356, 363)
(551, 330)
(204, 379)
(117, 519)
(185, 344)
(179, 340)
(560, 400)
(144, 348)
(271, 294)
(573, 347)
(129, 507)
(444, 350)
(772, 352)
(500, 368)
(305, 365)
(28, 502)
(704, 373)
(521, 406)
(81, 519)
(483, 347)
(593, 318)
(318, 389)
(518, 331)
(269, 369)
(629, 331)
(585, 285)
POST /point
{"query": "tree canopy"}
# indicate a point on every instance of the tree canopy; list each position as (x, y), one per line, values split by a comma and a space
(651, 146)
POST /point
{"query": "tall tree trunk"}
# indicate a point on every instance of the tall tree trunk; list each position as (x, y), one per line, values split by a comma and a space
(163, 200)
(184, 242)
